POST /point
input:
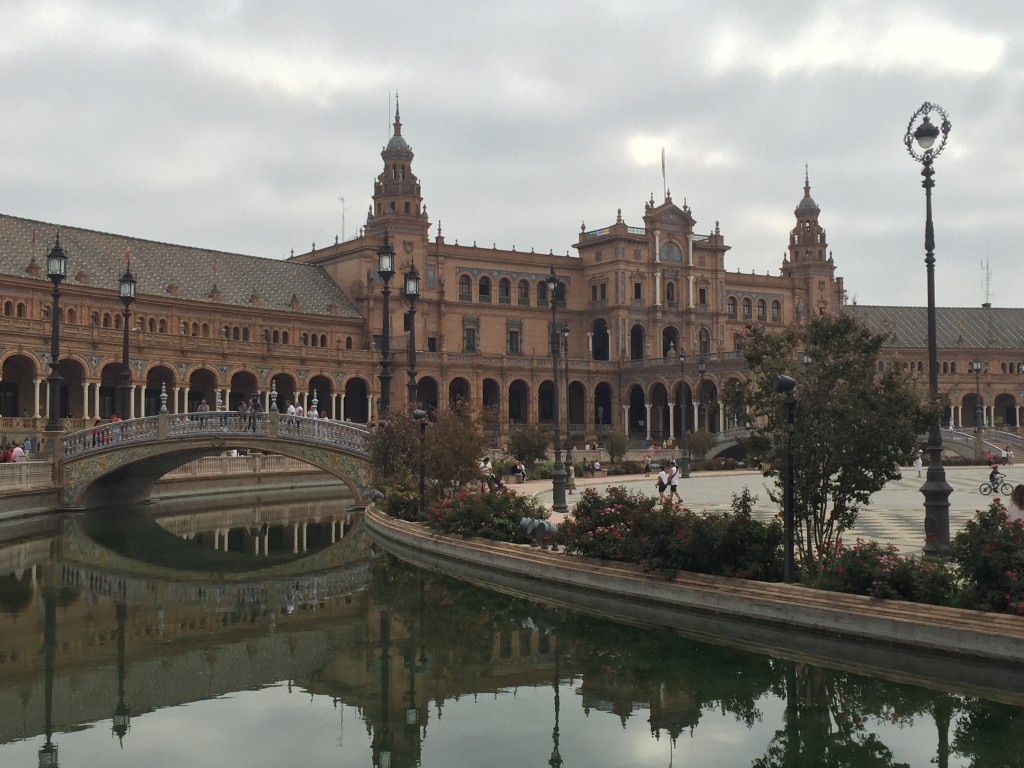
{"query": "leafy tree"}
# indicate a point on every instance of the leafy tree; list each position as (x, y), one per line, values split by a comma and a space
(452, 445)
(616, 444)
(528, 445)
(856, 421)
(734, 395)
(698, 444)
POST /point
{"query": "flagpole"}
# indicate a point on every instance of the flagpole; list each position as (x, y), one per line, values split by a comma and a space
(664, 185)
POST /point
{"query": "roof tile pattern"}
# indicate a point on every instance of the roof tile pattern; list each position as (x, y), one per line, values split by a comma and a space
(955, 327)
(172, 270)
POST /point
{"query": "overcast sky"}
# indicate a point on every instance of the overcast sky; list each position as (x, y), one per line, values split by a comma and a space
(238, 125)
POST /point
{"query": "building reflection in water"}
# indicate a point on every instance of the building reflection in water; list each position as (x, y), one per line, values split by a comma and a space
(387, 641)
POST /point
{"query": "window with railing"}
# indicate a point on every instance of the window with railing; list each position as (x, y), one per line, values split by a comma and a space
(504, 291)
(762, 311)
(747, 309)
(730, 307)
(484, 290)
(465, 288)
(524, 293)
(776, 312)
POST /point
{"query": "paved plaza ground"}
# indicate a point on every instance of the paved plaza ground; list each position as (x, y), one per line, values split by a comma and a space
(895, 515)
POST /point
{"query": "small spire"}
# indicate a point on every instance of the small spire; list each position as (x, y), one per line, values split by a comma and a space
(807, 182)
(398, 117)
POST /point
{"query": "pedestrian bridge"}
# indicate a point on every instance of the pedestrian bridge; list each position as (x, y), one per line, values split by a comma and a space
(119, 463)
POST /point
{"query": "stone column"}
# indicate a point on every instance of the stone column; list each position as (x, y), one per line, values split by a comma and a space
(85, 401)
(341, 407)
(131, 405)
(671, 421)
(37, 383)
(96, 400)
(657, 288)
(625, 420)
(647, 417)
(369, 407)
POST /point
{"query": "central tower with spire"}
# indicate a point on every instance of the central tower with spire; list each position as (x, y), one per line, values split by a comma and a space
(397, 202)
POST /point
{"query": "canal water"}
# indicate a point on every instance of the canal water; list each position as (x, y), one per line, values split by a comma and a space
(275, 636)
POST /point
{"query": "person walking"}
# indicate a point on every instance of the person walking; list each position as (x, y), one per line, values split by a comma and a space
(662, 483)
(673, 481)
(918, 463)
(570, 479)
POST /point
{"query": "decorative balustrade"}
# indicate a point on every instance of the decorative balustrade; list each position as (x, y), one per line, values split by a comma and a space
(24, 475)
(274, 426)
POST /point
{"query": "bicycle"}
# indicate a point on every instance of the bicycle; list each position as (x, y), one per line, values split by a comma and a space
(999, 486)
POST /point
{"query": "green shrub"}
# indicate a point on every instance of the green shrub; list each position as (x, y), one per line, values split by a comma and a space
(666, 538)
(493, 515)
(990, 552)
(403, 503)
(879, 570)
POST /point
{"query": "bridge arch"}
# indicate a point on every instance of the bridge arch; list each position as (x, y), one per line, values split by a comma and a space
(119, 463)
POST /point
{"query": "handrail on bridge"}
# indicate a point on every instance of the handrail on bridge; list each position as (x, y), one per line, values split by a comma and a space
(169, 426)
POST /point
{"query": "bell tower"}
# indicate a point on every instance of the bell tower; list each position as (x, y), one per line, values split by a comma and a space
(808, 260)
(397, 201)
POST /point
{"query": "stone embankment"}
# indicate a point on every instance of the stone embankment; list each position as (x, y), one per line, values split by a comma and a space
(969, 650)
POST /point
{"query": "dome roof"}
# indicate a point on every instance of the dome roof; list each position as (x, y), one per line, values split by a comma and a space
(398, 144)
(807, 204)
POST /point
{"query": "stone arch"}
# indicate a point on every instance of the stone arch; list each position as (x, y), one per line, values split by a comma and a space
(110, 378)
(287, 390)
(637, 426)
(357, 408)
(546, 402)
(518, 402)
(1005, 411)
(604, 412)
(244, 385)
(158, 377)
(321, 388)
(637, 342)
(17, 382)
(576, 400)
(202, 386)
(659, 429)
(458, 390)
(426, 391)
(600, 340)
(670, 341)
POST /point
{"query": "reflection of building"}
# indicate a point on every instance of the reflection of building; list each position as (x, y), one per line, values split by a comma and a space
(217, 325)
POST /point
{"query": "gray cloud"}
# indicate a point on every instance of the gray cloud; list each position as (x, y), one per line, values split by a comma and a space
(237, 125)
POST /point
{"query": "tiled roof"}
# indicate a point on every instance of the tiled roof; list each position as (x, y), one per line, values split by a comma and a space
(955, 327)
(158, 266)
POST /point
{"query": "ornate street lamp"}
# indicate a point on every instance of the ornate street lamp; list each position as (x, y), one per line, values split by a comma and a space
(554, 343)
(568, 428)
(684, 456)
(935, 490)
(702, 367)
(411, 292)
(420, 417)
(979, 412)
(126, 285)
(785, 385)
(122, 720)
(56, 270)
(386, 269)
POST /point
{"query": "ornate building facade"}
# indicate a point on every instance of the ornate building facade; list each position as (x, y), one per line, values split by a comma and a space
(219, 326)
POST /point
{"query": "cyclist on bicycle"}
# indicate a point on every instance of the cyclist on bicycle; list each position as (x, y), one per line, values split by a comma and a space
(994, 476)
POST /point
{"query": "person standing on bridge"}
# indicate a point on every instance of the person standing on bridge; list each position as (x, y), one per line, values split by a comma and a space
(203, 409)
(254, 409)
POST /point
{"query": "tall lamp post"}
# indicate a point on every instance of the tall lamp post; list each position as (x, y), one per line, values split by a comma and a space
(126, 285)
(420, 417)
(920, 142)
(411, 292)
(568, 412)
(386, 269)
(702, 368)
(554, 343)
(684, 456)
(979, 412)
(56, 269)
(785, 385)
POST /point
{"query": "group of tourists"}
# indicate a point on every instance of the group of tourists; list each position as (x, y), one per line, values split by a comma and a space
(668, 480)
(13, 452)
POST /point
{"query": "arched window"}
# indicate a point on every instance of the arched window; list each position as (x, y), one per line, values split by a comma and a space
(323, 339)
(162, 327)
(670, 292)
(465, 288)
(705, 341)
(730, 307)
(8, 308)
(245, 334)
(106, 319)
(542, 294)
(21, 310)
(762, 311)
(195, 329)
(276, 337)
(304, 339)
(945, 367)
(776, 312)
(524, 293)
(484, 290)
(284, 337)
(504, 291)
(746, 309)
(348, 342)
(71, 315)
(952, 367)
(117, 321)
